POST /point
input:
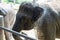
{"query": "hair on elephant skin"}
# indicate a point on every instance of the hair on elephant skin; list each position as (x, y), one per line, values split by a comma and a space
(25, 17)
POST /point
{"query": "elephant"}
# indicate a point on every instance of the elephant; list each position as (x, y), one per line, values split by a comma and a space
(25, 17)
(48, 25)
(44, 17)
(8, 14)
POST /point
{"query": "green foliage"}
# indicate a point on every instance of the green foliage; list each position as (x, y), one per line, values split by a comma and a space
(10, 0)
(16, 1)
(5, 1)
(20, 1)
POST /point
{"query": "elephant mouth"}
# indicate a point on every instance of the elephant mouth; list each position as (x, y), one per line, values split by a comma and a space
(28, 25)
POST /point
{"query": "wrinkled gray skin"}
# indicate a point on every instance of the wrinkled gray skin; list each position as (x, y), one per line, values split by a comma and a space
(47, 22)
(25, 17)
(48, 25)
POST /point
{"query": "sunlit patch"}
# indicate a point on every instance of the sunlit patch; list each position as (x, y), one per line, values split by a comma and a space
(41, 1)
(57, 39)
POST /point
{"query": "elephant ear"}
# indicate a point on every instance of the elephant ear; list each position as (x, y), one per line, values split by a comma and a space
(2, 13)
(38, 11)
